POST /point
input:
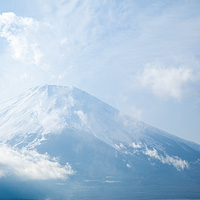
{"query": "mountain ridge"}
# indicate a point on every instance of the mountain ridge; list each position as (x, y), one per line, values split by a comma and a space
(63, 133)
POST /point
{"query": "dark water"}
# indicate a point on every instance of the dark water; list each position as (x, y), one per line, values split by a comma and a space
(95, 190)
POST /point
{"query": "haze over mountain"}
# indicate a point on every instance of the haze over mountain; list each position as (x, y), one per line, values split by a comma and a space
(59, 142)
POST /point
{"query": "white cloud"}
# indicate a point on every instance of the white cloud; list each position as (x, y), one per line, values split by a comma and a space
(167, 82)
(18, 33)
(178, 163)
(31, 165)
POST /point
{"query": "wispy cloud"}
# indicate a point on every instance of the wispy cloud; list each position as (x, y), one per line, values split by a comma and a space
(97, 45)
(31, 165)
(18, 33)
(167, 81)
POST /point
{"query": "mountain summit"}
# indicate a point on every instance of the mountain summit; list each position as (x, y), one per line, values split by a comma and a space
(60, 142)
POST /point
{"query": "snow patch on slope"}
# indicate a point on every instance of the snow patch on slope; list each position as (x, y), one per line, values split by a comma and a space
(82, 116)
(152, 152)
(175, 161)
(136, 145)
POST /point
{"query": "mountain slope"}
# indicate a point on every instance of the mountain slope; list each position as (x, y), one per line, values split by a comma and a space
(72, 141)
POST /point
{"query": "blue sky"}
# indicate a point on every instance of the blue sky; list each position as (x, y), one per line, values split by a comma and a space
(141, 57)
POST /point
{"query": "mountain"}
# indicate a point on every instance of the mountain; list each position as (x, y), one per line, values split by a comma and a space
(59, 142)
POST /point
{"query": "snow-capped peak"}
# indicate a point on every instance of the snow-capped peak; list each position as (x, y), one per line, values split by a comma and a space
(42, 111)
